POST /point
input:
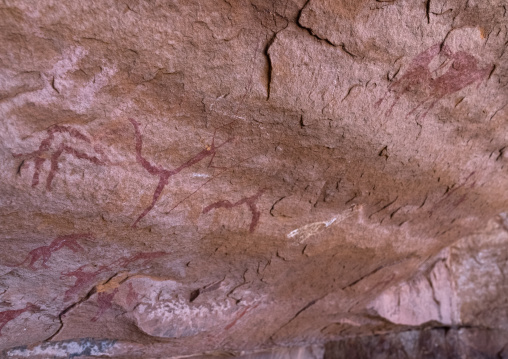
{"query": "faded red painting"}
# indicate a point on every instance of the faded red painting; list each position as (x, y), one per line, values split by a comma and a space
(240, 315)
(456, 71)
(8, 315)
(104, 302)
(164, 174)
(51, 149)
(84, 280)
(43, 253)
(249, 201)
(87, 279)
(132, 295)
(455, 195)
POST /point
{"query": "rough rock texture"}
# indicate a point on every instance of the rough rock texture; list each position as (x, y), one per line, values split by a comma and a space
(256, 178)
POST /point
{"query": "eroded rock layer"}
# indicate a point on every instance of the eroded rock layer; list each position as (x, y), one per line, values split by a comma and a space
(188, 177)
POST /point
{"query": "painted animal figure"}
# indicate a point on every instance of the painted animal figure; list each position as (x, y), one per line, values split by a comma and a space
(44, 253)
(249, 201)
(45, 151)
(164, 174)
(8, 315)
(83, 280)
(420, 79)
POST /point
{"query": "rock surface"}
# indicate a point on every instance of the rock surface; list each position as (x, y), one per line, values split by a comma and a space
(253, 178)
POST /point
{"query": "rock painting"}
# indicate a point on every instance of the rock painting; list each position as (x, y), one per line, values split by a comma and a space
(86, 279)
(105, 302)
(48, 149)
(249, 201)
(44, 252)
(420, 79)
(240, 315)
(8, 315)
(164, 174)
(132, 295)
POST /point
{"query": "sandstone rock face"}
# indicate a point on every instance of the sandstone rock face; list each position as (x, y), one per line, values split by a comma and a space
(254, 178)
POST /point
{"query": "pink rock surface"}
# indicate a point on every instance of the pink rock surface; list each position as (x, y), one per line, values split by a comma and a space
(252, 178)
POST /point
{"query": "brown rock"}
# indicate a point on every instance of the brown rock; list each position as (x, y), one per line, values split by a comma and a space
(253, 179)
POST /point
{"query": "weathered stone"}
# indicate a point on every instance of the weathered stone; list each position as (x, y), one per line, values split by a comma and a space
(238, 178)
(430, 343)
